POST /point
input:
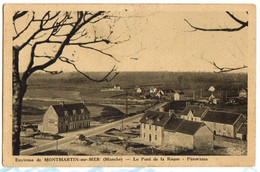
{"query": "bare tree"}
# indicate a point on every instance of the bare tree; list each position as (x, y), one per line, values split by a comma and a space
(56, 31)
(243, 24)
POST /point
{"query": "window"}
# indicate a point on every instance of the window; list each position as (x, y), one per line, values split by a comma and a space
(82, 110)
(144, 126)
(144, 134)
(156, 128)
(155, 137)
(150, 127)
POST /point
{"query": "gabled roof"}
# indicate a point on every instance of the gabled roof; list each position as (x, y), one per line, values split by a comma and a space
(183, 126)
(169, 90)
(212, 89)
(189, 127)
(197, 111)
(243, 90)
(155, 118)
(60, 109)
(173, 124)
(221, 117)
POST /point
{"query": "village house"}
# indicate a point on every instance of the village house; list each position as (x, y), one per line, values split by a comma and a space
(188, 134)
(242, 132)
(153, 90)
(220, 123)
(224, 123)
(140, 90)
(162, 128)
(243, 93)
(116, 87)
(194, 112)
(169, 94)
(152, 126)
(65, 117)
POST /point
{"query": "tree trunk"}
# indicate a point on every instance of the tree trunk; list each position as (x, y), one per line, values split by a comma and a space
(19, 89)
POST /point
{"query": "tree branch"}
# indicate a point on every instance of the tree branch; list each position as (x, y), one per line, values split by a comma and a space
(102, 52)
(67, 40)
(243, 25)
(224, 69)
(18, 34)
(52, 72)
(105, 78)
(19, 14)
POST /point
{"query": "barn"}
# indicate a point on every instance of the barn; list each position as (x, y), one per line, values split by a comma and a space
(188, 134)
(224, 123)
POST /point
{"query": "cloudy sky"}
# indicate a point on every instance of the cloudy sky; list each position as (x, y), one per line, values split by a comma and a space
(163, 41)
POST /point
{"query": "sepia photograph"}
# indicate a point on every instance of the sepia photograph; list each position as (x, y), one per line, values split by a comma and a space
(125, 84)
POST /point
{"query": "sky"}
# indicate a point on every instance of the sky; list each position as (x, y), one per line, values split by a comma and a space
(159, 41)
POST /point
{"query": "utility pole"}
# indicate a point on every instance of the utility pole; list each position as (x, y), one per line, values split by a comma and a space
(126, 109)
(57, 144)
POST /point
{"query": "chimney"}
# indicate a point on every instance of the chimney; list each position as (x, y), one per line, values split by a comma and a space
(187, 103)
(171, 112)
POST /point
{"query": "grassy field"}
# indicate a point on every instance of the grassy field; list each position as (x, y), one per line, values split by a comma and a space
(33, 110)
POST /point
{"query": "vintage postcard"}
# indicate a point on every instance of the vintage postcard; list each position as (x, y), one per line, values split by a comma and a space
(129, 85)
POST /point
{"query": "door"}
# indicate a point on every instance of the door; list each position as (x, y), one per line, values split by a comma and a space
(150, 137)
(67, 128)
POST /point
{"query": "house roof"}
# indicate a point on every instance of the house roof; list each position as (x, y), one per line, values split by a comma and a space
(183, 126)
(212, 89)
(189, 127)
(242, 129)
(169, 90)
(197, 111)
(60, 109)
(243, 90)
(173, 124)
(155, 118)
(221, 117)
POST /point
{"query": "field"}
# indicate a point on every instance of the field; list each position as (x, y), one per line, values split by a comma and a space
(75, 86)
(33, 110)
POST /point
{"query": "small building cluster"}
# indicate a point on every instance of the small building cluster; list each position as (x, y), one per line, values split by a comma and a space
(240, 98)
(115, 88)
(162, 128)
(220, 123)
(157, 93)
(65, 117)
(194, 128)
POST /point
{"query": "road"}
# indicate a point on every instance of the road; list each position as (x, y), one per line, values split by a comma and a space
(87, 132)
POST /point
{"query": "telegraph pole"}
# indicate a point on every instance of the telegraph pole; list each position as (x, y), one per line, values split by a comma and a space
(126, 109)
